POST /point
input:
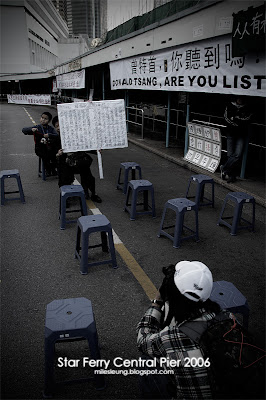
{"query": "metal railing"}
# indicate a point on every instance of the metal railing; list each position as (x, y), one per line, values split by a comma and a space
(211, 118)
(138, 112)
(141, 115)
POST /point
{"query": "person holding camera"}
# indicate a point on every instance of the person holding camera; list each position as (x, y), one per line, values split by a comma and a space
(182, 297)
(44, 137)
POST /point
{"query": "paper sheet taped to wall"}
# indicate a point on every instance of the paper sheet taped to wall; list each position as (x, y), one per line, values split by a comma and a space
(92, 125)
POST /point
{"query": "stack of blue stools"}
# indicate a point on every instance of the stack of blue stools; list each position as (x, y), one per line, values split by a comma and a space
(239, 200)
(180, 206)
(134, 188)
(41, 169)
(87, 225)
(200, 181)
(67, 192)
(230, 298)
(69, 320)
(6, 174)
(127, 168)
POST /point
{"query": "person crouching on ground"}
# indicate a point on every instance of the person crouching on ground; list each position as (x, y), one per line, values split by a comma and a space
(183, 296)
(69, 164)
(44, 135)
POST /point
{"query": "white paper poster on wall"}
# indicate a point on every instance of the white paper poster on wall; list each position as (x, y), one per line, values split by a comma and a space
(201, 66)
(42, 99)
(72, 80)
(204, 147)
(95, 125)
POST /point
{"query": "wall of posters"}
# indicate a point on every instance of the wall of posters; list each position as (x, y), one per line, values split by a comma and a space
(92, 125)
(204, 148)
(202, 66)
(41, 99)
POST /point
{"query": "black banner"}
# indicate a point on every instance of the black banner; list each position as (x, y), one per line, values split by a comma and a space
(248, 33)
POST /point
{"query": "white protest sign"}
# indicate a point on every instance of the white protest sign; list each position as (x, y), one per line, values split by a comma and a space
(96, 125)
(41, 99)
(71, 80)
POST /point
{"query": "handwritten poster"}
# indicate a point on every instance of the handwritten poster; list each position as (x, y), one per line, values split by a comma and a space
(72, 80)
(204, 146)
(41, 99)
(92, 125)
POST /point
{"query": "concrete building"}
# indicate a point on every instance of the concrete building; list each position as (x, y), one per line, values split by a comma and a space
(60, 5)
(34, 39)
(86, 17)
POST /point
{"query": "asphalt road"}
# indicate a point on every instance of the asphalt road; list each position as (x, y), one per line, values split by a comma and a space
(38, 264)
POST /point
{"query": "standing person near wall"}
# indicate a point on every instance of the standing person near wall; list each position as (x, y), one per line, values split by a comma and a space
(237, 116)
(44, 136)
(70, 164)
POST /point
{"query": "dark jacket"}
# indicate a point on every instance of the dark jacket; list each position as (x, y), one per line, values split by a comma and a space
(41, 130)
(49, 147)
(237, 116)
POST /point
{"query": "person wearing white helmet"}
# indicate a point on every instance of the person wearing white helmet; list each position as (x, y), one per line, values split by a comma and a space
(182, 297)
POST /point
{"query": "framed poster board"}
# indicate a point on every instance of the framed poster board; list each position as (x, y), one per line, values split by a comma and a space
(204, 146)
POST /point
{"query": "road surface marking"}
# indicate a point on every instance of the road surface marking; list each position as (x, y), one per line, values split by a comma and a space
(30, 117)
(129, 260)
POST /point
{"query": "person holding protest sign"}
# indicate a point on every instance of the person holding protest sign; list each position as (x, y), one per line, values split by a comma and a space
(70, 164)
(237, 117)
(44, 137)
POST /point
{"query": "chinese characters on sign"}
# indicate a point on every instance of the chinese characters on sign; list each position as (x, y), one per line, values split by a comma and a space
(72, 80)
(204, 146)
(248, 33)
(205, 66)
(92, 125)
(42, 99)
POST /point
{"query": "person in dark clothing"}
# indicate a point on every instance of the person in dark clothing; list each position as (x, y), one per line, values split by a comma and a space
(183, 296)
(237, 117)
(44, 136)
(69, 164)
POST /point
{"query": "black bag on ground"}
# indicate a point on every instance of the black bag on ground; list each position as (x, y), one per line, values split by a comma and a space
(237, 365)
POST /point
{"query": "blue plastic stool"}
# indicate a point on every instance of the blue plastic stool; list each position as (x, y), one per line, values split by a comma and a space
(69, 320)
(11, 173)
(66, 192)
(239, 199)
(133, 189)
(41, 169)
(201, 181)
(127, 167)
(180, 206)
(87, 225)
(230, 298)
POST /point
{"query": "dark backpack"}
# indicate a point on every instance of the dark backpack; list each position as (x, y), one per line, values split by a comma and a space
(237, 365)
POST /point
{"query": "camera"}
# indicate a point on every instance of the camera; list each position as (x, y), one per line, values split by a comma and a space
(169, 274)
